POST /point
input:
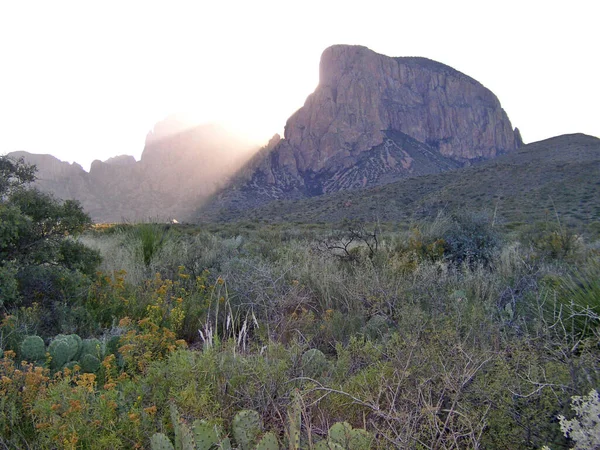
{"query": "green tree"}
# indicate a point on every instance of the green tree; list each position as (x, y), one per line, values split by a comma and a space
(37, 249)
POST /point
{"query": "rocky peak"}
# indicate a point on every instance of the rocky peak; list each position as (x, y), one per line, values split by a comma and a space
(373, 119)
(361, 94)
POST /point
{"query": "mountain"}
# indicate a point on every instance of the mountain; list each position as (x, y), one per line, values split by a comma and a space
(374, 119)
(539, 181)
(179, 167)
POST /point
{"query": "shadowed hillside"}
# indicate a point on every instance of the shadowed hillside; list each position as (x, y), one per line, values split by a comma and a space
(558, 175)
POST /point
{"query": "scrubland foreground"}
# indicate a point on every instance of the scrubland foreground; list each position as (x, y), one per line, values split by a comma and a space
(456, 333)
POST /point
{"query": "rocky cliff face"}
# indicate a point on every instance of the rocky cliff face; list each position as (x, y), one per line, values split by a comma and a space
(374, 119)
(179, 167)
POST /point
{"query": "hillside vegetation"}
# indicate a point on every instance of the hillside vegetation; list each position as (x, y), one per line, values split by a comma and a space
(559, 175)
(448, 333)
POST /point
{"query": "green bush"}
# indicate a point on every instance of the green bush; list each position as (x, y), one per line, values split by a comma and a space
(470, 240)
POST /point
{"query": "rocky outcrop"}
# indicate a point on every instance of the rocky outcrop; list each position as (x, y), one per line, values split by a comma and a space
(374, 119)
(180, 166)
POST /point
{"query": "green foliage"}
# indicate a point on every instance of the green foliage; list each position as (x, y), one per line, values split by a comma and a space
(9, 287)
(579, 300)
(113, 344)
(553, 241)
(377, 327)
(584, 429)
(151, 237)
(437, 365)
(14, 174)
(40, 262)
(33, 349)
(470, 240)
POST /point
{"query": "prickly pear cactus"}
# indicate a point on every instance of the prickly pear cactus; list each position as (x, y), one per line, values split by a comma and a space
(91, 347)
(314, 363)
(349, 438)
(268, 442)
(295, 421)
(71, 365)
(328, 445)
(33, 349)
(360, 439)
(159, 441)
(187, 437)
(89, 363)
(113, 344)
(76, 342)
(206, 434)
(60, 353)
(246, 427)
(64, 348)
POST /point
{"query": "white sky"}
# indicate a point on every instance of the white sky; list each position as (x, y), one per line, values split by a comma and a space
(87, 80)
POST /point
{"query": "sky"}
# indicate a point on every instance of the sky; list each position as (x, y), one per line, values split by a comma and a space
(85, 80)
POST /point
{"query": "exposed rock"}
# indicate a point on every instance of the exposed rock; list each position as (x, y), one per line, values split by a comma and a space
(374, 119)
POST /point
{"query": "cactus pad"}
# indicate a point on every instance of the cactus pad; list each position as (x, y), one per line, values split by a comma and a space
(268, 442)
(314, 363)
(33, 348)
(159, 441)
(246, 427)
(91, 347)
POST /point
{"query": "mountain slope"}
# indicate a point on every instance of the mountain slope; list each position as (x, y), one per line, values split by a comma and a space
(560, 175)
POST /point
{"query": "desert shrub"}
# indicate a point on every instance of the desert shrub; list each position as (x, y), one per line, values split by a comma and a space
(584, 429)
(145, 341)
(470, 240)
(554, 242)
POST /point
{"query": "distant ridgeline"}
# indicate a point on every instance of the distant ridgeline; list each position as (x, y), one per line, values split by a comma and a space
(373, 120)
(179, 168)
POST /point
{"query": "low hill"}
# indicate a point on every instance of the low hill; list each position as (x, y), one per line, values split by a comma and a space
(557, 175)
